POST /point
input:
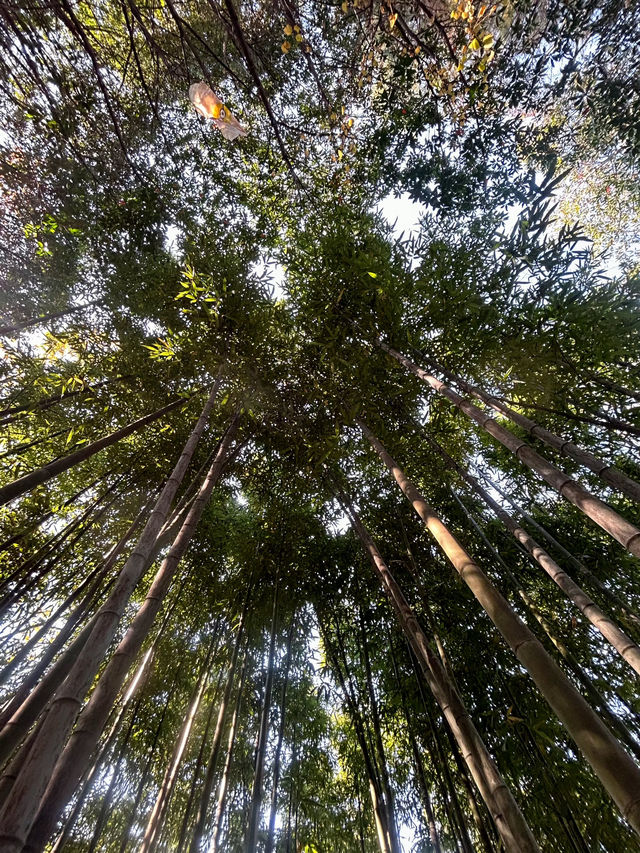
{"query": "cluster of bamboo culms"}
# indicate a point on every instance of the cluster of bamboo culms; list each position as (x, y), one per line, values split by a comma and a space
(77, 706)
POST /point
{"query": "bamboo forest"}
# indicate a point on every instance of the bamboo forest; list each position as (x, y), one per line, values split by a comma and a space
(320, 426)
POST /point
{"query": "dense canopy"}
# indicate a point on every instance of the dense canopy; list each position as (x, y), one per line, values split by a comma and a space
(320, 445)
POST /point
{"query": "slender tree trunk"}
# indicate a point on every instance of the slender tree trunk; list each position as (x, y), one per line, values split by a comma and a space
(456, 817)
(53, 546)
(53, 315)
(613, 598)
(379, 815)
(147, 767)
(611, 424)
(553, 787)
(294, 758)
(417, 760)
(504, 811)
(463, 771)
(598, 700)
(90, 774)
(603, 515)
(616, 770)
(604, 470)
(20, 810)
(623, 644)
(107, 800)
(156, 818)
(276, 761)
(426, 799)
(12, 540)
(74, 617)
(389, 799)
(224, 780)
(467, 784)
(53, 469)
(92, 719)
(27, 703)
(251, 842)
(13, 413)
(195, 776)
(207, 785)
(135, 687)
(440, 759)
(97, 576)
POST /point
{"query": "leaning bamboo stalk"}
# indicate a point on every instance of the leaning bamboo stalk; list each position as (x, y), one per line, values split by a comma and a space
(212, 763)
(614, 767)
(597, 700)
(28, 702)
(88, 520)
(195, 776)
(606, 626)
(375, 791)
(385, 781)
(10, 329)
(57, 466)
(607, 472)
(603, 515)
(51, 546)
(504, 810)
(271, 825)
(419, 773)
(231, 740)
(615, 599)
(95, 580)
(251, 842)
(159, 810)
(91, 721)
(38, 522)
(19, 812)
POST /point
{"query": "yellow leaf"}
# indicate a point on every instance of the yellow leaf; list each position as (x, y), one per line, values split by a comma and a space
(340, 154)
(298, 37)
(487, 40)
(373, 274)
(475, 45)
(288, 30)
(345, 7)
(286, 46)
(297, 28)
(417, 50)
(392, 20)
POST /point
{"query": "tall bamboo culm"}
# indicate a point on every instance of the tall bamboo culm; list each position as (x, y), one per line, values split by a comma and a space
(603, 515)
(614, 767)
(504, 810)
(77, 753)
(18, 814)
